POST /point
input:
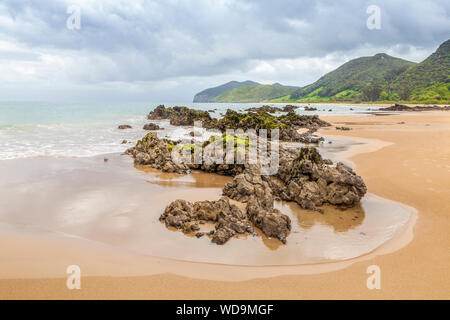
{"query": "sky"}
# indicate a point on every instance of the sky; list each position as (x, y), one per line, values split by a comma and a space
(166, 51)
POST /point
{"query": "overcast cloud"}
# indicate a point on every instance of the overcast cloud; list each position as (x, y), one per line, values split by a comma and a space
(169, 50)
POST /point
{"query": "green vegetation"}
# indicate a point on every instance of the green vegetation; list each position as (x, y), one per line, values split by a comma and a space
(361, 79)
(209, 94)
(258, 93)
(428, 81)
(376, 79)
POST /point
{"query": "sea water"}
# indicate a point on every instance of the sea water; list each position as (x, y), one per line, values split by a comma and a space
(35, 129)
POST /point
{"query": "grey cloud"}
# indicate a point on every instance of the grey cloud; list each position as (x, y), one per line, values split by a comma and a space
(138, 41)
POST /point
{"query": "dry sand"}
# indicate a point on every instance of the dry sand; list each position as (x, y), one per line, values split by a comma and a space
(409, 163)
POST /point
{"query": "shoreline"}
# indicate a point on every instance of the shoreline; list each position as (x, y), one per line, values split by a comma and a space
(274, 278)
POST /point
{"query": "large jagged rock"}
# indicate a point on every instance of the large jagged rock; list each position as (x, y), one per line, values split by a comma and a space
(229, 220)
(311, 181)
(302, 121)
(286, 124)
(156, 153)
(304, 178)
(250, 188)
(181, 116)
(270, 221)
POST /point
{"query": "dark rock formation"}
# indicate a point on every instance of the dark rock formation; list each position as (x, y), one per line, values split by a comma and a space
(253, 190)
(151, 127)
(303, 177)
(289, 108)
(181, 116)
(302, 121)
(401, 107)
(124, 126)
(343, 128)
(286, 124)
(265, 108)
(156, 153)
(306, 179)
(229, 220)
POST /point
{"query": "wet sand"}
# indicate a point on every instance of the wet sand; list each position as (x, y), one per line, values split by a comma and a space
(397, 167)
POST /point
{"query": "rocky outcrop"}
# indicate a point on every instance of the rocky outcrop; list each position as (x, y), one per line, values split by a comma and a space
(303, 176)
(157, 154)
(227, 218)
(265, 108)
(253, 190)
(257, 119)
(306, 179)
(401, 107)
(124, 126)
(286, 124)
(151, 127)
(302, 121)
(181, 116)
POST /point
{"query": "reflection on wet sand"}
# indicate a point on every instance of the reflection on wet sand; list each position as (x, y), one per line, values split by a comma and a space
(197, 179)
(340, 219)
(112, 203)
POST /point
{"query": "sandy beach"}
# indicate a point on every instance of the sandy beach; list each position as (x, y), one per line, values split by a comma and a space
(404, 158)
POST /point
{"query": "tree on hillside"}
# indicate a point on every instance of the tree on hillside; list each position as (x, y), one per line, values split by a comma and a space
(372, 92)
(405, 92)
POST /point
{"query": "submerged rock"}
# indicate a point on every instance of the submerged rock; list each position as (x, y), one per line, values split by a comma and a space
(124, 126)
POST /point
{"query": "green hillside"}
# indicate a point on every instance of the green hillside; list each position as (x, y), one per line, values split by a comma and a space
(209, 94)
(256, 93)
(357, 80)
(428, 80)
(379, 78)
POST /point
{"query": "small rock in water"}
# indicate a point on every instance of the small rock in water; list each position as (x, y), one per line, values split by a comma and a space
(151, 126)
(124, 141)
(105, 160)
(124, 126)
(199, 234)
(343, 128)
